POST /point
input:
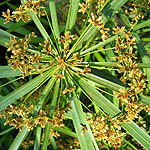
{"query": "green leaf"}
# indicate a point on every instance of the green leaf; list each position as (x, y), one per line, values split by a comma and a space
(37, 138)
(54, 145)
(138, 134)
(79, 121)
(4, 2)
(72, 15)
(54, 18)
(14, 27)
(107, 83)
(19, 139)
(7, 71)
(98, 64)
(54, 100)
(111, 9)
(21, 91)
(144, 99)
(109, 64)
(65, 131)
(44, 94)
(51, 114)
(96, 96)
(39, 25)
(46, 136)
(6, 131)
(99, 57)
(142, 25)
(124, 18)
(4, 38)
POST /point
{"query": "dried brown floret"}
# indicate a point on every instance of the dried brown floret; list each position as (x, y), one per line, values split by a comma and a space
(21, 58)
(22, 13)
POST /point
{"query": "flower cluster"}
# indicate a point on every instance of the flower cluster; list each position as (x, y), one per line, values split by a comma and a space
(22, 13)
(107, 129)
(21, 58)
(46, 47)
(95, 17)
(66, 40)
(92, 5)
(21, 115)
(132, 76)
(138, 9)
(26, 144)
(41, 119)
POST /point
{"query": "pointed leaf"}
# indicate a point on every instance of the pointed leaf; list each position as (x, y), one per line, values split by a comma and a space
(72, 15)
(78, 120)
(96, 96)
(107, 83)
(37, 138)
(46, 136)
(7, 71)
(19, 138)
(54, 18)
(21, 91)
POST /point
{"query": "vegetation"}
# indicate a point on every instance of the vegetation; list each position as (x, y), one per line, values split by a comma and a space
(75, 75)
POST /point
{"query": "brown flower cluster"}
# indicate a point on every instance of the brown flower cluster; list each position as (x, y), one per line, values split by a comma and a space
(28, 143)
(46, 47)
(22, 13)
(138, 9)
(132, 76)
(21, 58)
(66, 40)
(107, 129)
(93, 8)
(21, 115)
(75, 60)
(68, 90)
(85, 70)
(41, 120)
(96, 20)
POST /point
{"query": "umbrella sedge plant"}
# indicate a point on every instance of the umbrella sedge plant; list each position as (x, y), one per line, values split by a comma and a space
(80, 81)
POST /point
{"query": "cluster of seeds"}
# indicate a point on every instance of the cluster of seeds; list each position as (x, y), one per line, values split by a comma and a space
(22, 13)
(138, 9)
(21, 58)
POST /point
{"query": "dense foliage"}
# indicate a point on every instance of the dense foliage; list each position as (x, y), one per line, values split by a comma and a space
(75, 75)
